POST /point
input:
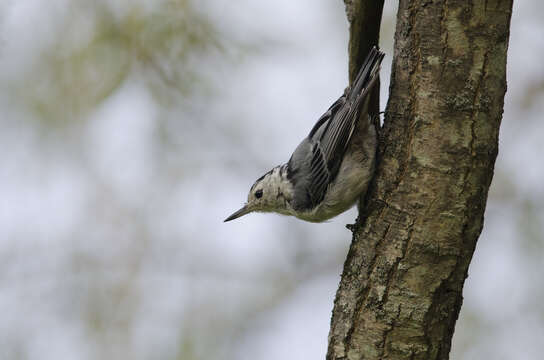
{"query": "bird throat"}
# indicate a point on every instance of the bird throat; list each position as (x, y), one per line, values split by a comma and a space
(278, 190)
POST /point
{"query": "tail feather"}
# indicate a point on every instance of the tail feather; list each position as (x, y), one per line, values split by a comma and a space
(367, 74)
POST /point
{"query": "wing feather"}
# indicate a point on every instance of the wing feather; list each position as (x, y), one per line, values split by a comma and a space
(338, 123)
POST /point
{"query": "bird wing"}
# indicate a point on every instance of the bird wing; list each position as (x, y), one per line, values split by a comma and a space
(331, 134)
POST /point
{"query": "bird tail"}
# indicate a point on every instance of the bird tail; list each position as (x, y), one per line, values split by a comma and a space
(367, 76)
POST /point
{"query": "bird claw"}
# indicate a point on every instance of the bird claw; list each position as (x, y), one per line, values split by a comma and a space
(351, 227)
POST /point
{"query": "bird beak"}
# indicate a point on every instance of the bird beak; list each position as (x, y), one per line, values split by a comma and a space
(243, 211)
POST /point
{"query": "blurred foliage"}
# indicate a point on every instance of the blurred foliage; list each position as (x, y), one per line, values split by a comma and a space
(97, 46)
(532, 94)
(530, 228)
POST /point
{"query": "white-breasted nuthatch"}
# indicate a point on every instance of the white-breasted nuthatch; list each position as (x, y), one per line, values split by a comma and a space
(331, 168)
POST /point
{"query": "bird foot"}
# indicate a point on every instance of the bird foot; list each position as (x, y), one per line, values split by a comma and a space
(351, 227)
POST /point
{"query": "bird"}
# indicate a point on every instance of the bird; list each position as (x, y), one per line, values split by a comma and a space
(332, 167)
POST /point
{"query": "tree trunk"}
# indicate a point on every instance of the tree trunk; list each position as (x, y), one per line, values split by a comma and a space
(401, 288)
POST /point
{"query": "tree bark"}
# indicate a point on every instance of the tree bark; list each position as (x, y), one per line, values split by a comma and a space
(401, 287)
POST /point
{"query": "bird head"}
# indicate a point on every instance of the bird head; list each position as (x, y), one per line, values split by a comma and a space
(267, 194)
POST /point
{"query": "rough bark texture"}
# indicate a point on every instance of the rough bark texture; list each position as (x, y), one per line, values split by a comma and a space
(401, 288)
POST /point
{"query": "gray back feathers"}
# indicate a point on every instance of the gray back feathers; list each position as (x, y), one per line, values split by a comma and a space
(316, 161)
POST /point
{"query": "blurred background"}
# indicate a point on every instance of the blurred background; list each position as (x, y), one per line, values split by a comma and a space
(130, 129)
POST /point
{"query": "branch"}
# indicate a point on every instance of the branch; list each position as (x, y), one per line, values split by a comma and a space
(401, 288)
(364, 30)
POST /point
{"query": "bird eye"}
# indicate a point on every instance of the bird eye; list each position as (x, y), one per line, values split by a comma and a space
(259, 193)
